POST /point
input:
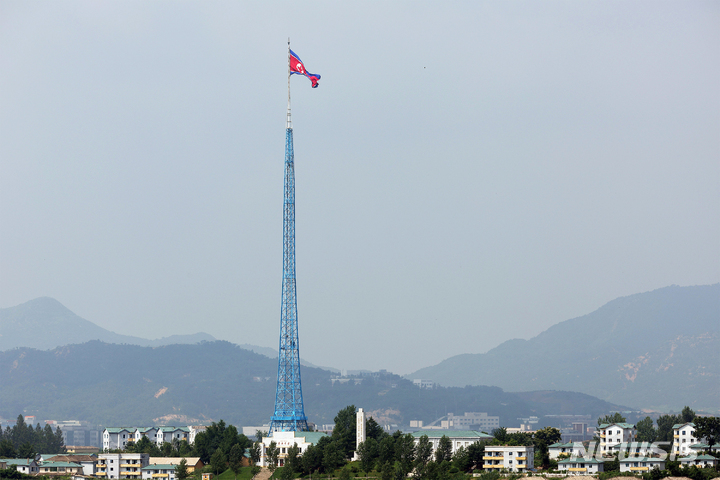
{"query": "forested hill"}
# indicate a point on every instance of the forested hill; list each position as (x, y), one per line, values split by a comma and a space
(183, 384)
(659, 349)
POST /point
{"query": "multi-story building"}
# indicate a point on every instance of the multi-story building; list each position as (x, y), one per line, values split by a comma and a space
(511, 458)
(117, 438)
(159, 471)
(149, 432)
(613, 435)
(284, 441)
(87, 462)
(701, 461)
(458, 438)
(584, 466)
(641, 464)
(193, 463)
(60, 469)
(684, 438)
(121, 465)
(168, 434)
(568, 449)
(480, 420)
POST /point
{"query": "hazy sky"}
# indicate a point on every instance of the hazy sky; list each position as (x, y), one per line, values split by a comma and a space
(467, 172)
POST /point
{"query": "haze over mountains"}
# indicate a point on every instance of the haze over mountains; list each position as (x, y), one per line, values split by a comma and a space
(112, 384)
(44, 323)
(654, 350)
(658, 350)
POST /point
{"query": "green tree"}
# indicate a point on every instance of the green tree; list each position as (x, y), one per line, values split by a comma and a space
(646, 430)
(181, 470)
(386, 450)
(333, 457)
(368, 453)
(259, 434)
(423, 456)
(293, 460)
(709, 429)
(286, 473)
(59, 444)
(344, 432)
(687, 415)
(218, 462)
(271, 455)
(27, 450)
(461, 460)
(255, 453)
(476, 452)
(405, 453)
(664, 427)
(500, 434)
(144, 445)
(130, 446)
(236, 458)
(7, 450)
(542, 439)
(312, 458)
(614, 418)
(374, 430)
(444, 450)
(387, 471)
(254, 470)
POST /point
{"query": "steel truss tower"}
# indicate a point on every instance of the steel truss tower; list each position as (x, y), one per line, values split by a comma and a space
(289, 411)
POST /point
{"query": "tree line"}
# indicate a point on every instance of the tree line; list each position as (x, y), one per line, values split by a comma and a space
(25, 441)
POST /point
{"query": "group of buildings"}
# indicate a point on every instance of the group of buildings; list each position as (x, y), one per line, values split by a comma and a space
(620, 438)
(572, 457)
(138, 466)
(118, 438)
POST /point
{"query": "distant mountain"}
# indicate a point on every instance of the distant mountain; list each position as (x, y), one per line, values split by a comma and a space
(659, 349)
(44, 323)
(111, 384)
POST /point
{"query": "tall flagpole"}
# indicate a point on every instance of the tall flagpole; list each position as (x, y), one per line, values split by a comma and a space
(289, 409)
(288, 123)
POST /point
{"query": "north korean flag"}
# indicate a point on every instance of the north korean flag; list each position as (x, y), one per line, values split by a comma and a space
(297, 67)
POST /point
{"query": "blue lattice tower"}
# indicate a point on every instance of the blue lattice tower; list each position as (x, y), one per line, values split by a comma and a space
(289, 410)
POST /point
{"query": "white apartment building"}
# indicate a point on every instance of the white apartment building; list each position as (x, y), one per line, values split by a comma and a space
(701, 461)
(284, 441)
(195, 429)
(641, 464)
(121, 465)
(117, 438)
(484, 422)
(514, 459)
(613, 435)
(168, 434)
(573, 449)
(161, 471)
(581, 466)
(149, 432)
(684, 438)
(458, 438)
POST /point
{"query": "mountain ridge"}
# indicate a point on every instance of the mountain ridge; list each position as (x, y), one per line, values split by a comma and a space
(45, 323)
(111, 384)
(620, 352)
